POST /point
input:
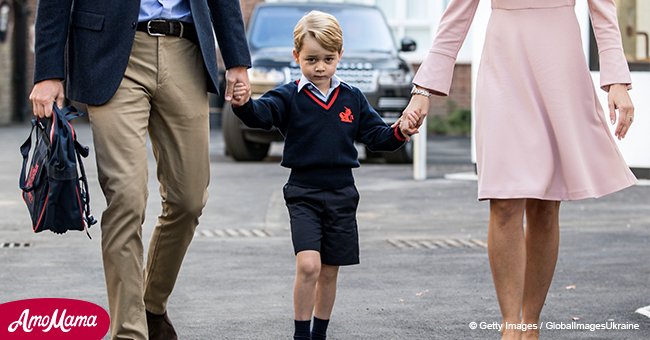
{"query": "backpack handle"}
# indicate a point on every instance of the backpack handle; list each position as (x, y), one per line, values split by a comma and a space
(71, 112)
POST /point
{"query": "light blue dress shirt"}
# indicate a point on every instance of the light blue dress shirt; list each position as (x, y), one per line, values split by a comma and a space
(165, 9)
(336, 81)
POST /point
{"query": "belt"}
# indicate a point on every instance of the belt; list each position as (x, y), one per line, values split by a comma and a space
(163, 27)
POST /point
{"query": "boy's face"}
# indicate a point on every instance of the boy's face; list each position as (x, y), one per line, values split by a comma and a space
(317, 63)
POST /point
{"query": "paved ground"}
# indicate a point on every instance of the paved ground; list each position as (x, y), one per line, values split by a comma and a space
(417, 280)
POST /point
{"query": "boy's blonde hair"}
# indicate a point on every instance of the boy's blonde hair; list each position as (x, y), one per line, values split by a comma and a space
(321, 26)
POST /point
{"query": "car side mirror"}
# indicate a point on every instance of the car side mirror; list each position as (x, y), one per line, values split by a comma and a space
(408, 45)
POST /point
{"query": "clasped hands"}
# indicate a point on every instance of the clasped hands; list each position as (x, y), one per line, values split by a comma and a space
(413, 115)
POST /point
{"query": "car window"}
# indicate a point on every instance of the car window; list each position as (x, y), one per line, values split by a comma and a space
(364, 29)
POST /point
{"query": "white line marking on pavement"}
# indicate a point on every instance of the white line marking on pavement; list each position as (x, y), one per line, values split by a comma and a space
(462, 176)
(453, 243)
(428, 244)
(441, 244)
(207, 233)
(396, 243)
(644, 311)
(467, 243)
(412, 244)
(259, 233)
(479, 242)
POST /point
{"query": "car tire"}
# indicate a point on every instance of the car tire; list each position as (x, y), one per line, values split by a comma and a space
(402, 155)
(237, 146)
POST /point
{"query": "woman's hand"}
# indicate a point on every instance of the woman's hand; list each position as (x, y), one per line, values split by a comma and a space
(619, 99)
(418, 105)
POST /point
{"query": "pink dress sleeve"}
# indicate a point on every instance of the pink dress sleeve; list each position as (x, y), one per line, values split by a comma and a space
(613, 65)
(437, 69)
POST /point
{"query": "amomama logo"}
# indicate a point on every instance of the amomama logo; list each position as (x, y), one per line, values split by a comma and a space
(51, 319)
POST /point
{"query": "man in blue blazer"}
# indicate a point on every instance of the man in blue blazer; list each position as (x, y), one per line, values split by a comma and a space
(144, 68)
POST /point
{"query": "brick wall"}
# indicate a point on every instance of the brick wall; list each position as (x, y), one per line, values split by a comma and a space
(7, 82)
(247, 7)
(30, 44)
(459, 95)
(29, 54)
(6, 88)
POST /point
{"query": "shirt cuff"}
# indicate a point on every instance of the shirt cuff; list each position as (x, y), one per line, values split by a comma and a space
(398, 134)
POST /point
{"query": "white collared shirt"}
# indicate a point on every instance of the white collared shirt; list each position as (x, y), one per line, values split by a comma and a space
(336, 81)
(165, 9)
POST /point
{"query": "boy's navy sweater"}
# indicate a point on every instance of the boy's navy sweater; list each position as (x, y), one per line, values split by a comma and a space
(319, 137)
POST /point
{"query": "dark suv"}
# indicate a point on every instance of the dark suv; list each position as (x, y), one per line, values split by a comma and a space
(370, 62)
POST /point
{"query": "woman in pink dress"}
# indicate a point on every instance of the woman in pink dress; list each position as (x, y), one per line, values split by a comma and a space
(541, 134)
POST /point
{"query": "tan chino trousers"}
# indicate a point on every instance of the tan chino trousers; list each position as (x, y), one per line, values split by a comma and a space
(163, 94)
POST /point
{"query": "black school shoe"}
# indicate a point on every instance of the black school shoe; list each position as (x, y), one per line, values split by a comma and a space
(160, 328)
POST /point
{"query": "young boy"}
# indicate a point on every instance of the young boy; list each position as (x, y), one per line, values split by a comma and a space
(320, 117)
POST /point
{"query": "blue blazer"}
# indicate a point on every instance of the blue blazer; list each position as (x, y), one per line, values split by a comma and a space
(99, 36)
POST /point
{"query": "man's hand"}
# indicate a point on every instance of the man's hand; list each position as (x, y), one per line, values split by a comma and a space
(235, 75)
(44, 94)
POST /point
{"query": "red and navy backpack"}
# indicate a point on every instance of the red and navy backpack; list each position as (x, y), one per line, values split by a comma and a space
(55, 187)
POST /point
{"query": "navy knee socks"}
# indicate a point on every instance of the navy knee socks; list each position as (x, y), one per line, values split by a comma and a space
(319, 332)
(302, 330)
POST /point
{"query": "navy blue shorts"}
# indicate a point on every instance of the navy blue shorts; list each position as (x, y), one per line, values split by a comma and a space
(325, 220)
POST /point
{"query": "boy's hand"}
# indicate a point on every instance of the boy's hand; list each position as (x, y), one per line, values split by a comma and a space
(418, 105)
(408, 124)
(241, 94)
(234, 75)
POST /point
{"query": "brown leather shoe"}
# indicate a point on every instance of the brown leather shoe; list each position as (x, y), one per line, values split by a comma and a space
(160, 328)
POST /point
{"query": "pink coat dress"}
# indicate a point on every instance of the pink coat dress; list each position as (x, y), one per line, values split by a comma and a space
(540, 130)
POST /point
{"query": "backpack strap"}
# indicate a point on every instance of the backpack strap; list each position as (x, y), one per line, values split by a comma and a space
(24, 151)
(84, 151)
(69, 113)
(89, 219)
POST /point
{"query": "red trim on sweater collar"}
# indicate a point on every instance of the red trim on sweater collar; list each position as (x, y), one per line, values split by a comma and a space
(332, 99)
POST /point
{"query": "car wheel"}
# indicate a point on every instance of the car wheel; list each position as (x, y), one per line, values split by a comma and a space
(400, 156)
(237, 146)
